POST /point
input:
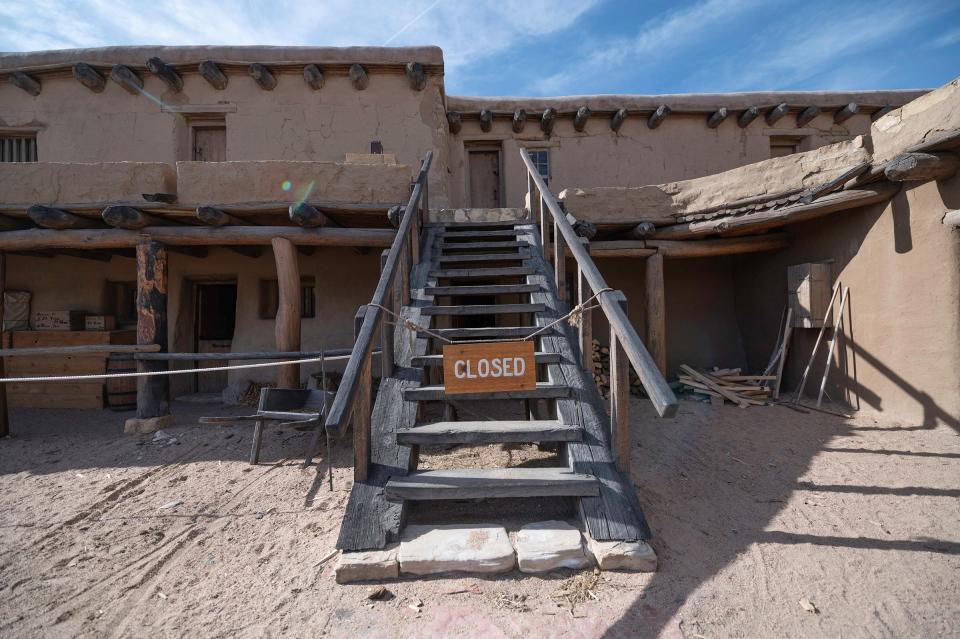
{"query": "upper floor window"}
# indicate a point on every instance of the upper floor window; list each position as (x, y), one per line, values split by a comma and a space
(18, 148)
(541, 160)
(781, 145)
(270, 298)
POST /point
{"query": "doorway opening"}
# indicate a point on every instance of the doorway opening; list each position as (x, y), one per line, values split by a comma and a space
(484, 184)
(214, 321)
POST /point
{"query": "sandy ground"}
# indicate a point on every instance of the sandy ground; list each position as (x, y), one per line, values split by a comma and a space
(107, 534)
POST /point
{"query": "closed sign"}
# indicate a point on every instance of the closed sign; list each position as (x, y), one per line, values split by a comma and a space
(488, 366)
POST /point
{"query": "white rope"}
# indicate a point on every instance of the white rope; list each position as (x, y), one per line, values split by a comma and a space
(185, 371)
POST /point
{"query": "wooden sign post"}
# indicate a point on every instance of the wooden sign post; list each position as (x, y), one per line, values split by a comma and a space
(483, 367)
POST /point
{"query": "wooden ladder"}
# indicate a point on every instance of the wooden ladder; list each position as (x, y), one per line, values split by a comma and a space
(502, 261)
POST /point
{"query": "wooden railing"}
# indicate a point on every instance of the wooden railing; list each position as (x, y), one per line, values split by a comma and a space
(557, 233)
(353, 399)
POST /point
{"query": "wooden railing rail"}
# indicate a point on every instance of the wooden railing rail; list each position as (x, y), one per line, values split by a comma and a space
(353, 399)
(558, 236)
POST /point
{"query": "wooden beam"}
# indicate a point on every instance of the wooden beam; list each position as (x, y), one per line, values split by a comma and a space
(306, 215)
(166, 73)
(40, 239)
(313, 76)
(643, 230)
(922, 167)
(620, 248)
(130, 218)
(453, 121)
(658, 116)
(580, 118)
(547, 120)
(153, 393)
(848, 111)
(747, 116)
(712, 248)
(416, 76)
(358, 77)
(4, 414)
(287, 330)
(952, 218)
(519, 120)
(13, 223)
(262, 76)
(777, 112)
(216, 217)
(127, 78)
(761, 220)
(656, 311)
(51, 218)
(394, 215)
(619, 394)
(715, 118)
(618, 118)
(212, 74)
(89, 77)
(486, 120)
(806, 116)
(23, 81)
(879, 113)
(835, 184)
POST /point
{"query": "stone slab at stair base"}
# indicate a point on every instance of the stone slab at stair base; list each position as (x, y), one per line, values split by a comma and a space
(623, 555)
(548, 545)
(476, 548)
(367, 565)
(147, 425)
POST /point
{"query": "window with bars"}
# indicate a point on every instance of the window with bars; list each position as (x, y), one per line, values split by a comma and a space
(270, 298)
(541, 160)
(18, 148)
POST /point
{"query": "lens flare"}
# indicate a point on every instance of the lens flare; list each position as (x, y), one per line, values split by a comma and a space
(286, 185)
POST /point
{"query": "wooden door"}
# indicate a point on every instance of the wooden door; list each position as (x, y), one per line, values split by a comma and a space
(210, 144)
(484, 179)
(215, 319)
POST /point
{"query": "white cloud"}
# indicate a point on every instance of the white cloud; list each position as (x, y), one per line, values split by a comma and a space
(467, 31)
(947, 39)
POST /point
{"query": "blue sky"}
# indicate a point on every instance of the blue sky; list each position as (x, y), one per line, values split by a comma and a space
(554, 47)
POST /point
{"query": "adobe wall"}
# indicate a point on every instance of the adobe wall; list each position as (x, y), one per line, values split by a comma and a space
(902, 343)
(343, 281)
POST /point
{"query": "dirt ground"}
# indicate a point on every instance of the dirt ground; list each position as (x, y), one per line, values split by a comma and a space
(106, 534)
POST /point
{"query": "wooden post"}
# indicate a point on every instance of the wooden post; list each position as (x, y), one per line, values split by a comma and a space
(415, 238)
(544, 229)
(386, 325)
(619, 396)
(586, 316)
(656, 312)
(4, 415)
(787, 332)
(833, 342)
(153, 393)
(404, 265)
(361, 409)
(559, 263)
(287, 326)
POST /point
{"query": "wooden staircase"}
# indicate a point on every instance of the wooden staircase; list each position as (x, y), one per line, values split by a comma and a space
(493, 260)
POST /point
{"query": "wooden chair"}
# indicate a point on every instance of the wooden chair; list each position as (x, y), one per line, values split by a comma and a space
(301, 409)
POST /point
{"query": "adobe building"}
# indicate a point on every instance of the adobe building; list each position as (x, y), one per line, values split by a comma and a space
(215, 152)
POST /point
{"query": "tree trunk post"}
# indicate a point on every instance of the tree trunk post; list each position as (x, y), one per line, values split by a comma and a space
(656, 312)
(287, 328)
(153, 393)
(619, 396)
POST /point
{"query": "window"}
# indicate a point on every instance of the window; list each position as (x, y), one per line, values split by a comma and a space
(18, 148)
(270, 298)
(781, 145)
(121, 302)
(541, 160)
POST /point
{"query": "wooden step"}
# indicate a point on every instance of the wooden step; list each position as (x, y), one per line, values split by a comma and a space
(485, 289)
(484, 332)
(457, 226)
(434, 361)
(489, 432)
(544, 390)
(507, 271)
(483, 309)
(484, 257)
(479, 483)
(460, 246)
(469, 235)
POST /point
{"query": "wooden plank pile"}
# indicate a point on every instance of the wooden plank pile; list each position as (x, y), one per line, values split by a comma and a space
(728, 385)
(601, 372)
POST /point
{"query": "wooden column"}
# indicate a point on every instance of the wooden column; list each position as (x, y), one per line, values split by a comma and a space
(361, 409)
(287, 328)
(153, 393)
(619, 395)
(586, 316)
(559, 263)
(4, 415)
(656, 312)
(386, 324)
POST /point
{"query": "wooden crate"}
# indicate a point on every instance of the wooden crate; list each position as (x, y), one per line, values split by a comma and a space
(60, 394)
(808, 293)
(100, 322)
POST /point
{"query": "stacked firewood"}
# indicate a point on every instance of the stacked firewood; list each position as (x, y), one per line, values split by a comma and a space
(601, 371)
(728, 385)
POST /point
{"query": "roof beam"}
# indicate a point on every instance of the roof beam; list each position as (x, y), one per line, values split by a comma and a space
(806, 116)
(127, 78)
(166, 73)
(313, 76)
(921, 167)
(130, 218)
(89, 77)
(842, 115)
(416, 75)
(715, 118)
(777, 112)
(23, 81)
(519, 120)
(486, 120)
(747, 116)
(547, 120)
(454, 122)
(262, 76)
(51, 218)
(358, 77)
(212, 74)
(658, 116)
(308, 216)
(618, 118)
(580, 118)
